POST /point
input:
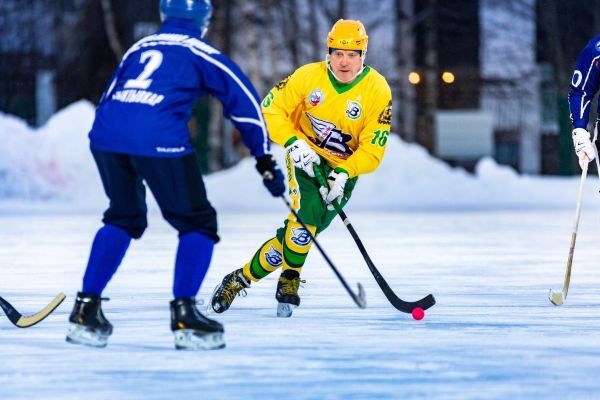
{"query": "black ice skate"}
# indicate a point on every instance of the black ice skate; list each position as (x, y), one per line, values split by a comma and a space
(287, 292)
(88, 326)
(192, 330)
(233, 284)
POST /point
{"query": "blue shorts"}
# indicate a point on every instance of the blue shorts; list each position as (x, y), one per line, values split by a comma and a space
(176, 184)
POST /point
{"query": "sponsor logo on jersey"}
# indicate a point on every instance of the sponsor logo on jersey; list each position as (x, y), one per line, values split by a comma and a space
(385, 117)
(330, 137)
(170, 149)
(315, 98)
(273, 257)
(354, 110)
(300, 236)
(138, 96)
(597, 46)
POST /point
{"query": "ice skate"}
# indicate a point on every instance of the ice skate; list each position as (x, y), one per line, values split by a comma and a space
(88, 326)
(233, 284)
(192, 330)
(287, 293)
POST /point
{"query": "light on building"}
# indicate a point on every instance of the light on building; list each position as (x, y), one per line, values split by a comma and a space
(448, 77)
(414, 78)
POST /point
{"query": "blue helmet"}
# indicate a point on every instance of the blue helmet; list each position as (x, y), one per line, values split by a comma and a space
(198, 11)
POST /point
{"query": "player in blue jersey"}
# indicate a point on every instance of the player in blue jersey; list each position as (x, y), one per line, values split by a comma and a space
(140, 134)
(584, 86)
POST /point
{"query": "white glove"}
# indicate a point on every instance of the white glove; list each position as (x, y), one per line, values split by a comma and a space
(583, 146)
(303, 156)
(337, 183)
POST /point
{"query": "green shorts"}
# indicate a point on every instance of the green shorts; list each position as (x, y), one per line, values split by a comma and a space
(306, 199)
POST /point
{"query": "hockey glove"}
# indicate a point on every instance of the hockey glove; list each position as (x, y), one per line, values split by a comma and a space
(337, 182)
(303, 156)
(583, 146)
(271, 174)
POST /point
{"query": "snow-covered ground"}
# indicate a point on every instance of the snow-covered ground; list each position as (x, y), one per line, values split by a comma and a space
(52, 168)
(488, 246)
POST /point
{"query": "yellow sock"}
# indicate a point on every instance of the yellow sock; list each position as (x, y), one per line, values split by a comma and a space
(296, 244)
(266, 260)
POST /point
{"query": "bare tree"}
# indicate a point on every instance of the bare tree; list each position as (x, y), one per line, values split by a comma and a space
(111, 29)
(291, 29)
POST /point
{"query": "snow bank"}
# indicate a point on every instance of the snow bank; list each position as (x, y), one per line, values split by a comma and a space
(52, 167)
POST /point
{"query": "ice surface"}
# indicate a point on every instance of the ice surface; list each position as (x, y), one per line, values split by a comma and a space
(492, 335)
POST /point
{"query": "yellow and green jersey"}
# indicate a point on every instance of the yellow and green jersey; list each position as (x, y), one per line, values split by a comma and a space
(347, 124)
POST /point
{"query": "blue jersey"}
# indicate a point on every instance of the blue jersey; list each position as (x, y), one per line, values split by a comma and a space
(584, 84)
(146, 108)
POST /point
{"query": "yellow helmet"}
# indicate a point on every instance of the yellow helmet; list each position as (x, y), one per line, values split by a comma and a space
(347, 34)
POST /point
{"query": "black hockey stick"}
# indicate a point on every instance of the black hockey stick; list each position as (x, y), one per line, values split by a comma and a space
(22, 321)
(359, 298)
(401, 305)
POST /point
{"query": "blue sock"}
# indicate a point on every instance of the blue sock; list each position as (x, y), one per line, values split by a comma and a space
(191, 263)
(108, 249)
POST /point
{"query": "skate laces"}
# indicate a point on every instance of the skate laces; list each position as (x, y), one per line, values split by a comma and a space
(235, 286)
(290, 286)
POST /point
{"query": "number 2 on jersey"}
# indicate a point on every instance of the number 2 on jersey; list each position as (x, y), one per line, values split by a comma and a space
(152, 59)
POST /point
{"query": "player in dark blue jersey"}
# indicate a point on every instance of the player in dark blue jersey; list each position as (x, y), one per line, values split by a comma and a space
(584, 86)
(140, 134)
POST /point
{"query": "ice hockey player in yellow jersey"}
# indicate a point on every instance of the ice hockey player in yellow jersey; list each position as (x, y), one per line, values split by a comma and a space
(334, 115)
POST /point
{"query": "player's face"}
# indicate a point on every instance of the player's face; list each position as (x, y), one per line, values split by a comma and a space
(345, 64)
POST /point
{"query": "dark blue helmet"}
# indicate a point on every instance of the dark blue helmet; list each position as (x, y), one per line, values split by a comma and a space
(198, 11)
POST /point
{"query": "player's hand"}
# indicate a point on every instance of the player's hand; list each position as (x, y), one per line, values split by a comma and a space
(271, 174)
(583, 146)
(303, 156)
(337, 183)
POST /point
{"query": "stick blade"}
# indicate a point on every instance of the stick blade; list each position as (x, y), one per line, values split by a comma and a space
(360, 299)
(27, 321)
(556, 298)
(427, 302)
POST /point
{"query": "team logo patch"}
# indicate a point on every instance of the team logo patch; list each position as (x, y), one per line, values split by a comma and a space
(283, 82)
(354, 110)
(316, 97)
(385, 117)
(330, 137)
(597, 46)
(300, 237)
(273, 257)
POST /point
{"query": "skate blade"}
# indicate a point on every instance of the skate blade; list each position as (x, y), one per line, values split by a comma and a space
(187, 339)
(285, 310)
(78, 334)
(211, 310)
